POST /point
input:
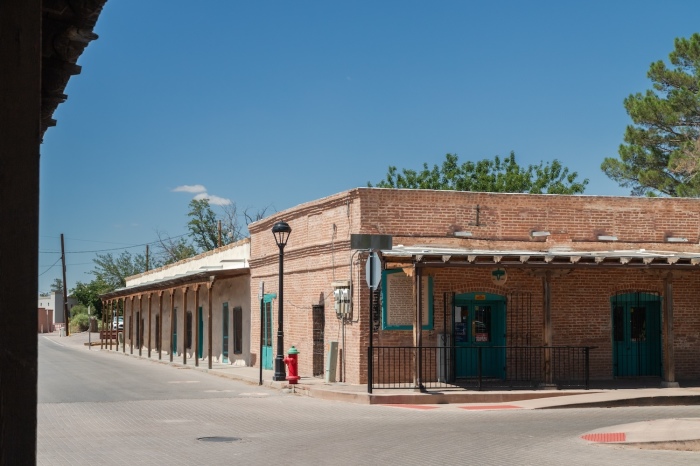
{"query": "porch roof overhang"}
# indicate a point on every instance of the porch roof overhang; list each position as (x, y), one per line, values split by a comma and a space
(173, 281)
(437, 256)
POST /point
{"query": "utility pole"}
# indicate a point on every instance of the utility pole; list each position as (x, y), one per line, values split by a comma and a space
(65, 288)
(147, 268)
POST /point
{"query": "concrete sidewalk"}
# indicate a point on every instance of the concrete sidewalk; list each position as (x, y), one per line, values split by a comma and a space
(663, 430)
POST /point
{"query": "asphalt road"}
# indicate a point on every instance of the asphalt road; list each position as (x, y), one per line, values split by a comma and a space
(97, 407)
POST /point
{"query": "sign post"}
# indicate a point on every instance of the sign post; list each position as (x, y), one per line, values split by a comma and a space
(373, 275)
(261, 298)
(372, 284)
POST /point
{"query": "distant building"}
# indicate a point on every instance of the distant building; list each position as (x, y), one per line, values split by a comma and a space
(195, 308)
(45, 320)
(54, 302)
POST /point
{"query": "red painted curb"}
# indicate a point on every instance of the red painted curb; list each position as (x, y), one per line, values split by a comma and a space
(606, 437)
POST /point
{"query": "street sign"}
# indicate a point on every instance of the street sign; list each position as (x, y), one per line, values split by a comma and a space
(383, 242)
(373, 271)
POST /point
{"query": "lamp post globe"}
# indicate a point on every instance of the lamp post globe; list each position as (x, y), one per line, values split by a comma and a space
(281, 232)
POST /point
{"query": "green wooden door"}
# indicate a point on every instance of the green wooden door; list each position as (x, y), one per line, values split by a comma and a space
(267, 332)
(200, 332)
(174, 336)
(479, 335)
(636, 335)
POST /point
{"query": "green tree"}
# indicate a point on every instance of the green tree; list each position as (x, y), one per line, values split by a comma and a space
(204, 226)
(57, 285)
(88, 294)
(504, 176)
(173, 249)
(113, 270)
(78, 309)
(658, 146)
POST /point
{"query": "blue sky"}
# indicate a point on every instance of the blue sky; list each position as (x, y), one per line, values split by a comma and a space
(271, 104)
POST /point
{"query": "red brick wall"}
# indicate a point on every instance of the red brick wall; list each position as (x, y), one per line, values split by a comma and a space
(318, 252)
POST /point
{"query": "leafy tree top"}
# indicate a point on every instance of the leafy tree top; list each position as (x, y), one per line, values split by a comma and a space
(497, 175)
(654, 157)
(112, 270)
(57, 285)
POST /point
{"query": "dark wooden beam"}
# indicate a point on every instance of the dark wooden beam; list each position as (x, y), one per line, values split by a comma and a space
(20, 126)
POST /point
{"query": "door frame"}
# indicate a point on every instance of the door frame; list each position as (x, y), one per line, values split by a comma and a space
(266, 317)
(225, 323)
(200, 332)
(644, 357)
(465, 361)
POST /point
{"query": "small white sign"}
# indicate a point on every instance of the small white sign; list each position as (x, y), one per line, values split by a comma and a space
(373, 267)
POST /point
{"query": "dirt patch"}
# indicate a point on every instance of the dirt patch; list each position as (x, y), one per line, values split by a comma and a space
(680, 445)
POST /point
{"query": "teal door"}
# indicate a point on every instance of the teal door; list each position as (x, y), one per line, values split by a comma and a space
(174, 345)
(479, 335)
(636, 335)
(200, 332)
(267, 331)
(224, 338)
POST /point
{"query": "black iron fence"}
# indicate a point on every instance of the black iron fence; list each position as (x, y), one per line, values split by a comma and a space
(478, 367)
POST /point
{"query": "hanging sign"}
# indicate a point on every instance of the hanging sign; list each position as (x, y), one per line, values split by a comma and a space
(499, 276)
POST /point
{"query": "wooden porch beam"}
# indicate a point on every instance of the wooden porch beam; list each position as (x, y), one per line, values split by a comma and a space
(669, 355)
(210, 292)
(195, 326)
(160, 325)
(184, 325)
(150, 295)
(172, 348)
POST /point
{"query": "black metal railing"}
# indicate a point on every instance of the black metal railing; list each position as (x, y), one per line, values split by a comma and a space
(478, 367)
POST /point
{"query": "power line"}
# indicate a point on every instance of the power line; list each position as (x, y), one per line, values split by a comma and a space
(42, 273)
(112, 249)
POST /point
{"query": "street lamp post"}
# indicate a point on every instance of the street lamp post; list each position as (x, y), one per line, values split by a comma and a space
(281, 231)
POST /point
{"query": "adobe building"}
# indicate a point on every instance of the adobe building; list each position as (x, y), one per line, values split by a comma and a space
(53, 301)
(531, 290)
(196, 309)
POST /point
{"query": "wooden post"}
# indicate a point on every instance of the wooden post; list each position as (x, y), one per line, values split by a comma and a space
(66, 314)
(111, 324)
(150, 295)
(210, 287)
(172, 350)
(195, 326)
(184, 325)
(123, 301)
(102, 331)
(131, 328)
(20, 120)
(139, 325)
(668, 333)
(160, 325)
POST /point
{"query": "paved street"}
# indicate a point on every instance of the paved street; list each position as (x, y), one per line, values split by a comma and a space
(97, 407)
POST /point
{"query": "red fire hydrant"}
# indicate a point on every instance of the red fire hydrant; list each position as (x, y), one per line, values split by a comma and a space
(292, 365)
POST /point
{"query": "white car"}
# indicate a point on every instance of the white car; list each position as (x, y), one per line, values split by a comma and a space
(118, 323)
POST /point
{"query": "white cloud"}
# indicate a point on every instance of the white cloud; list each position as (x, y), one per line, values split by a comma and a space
(196, 188)
(213, 200)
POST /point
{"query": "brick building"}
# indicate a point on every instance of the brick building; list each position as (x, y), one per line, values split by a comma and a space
(517, 287)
